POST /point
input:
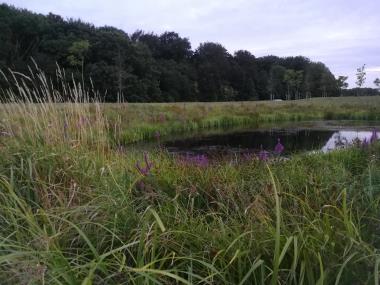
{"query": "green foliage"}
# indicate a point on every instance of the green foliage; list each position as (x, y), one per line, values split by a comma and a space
(377, 83)
(77, 52)
(360, 76)
(341, 83)
(145, 67)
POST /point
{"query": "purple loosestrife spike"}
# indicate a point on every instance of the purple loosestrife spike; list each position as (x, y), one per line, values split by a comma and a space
(263, 154)
(147, 162)
(197, 160)
(279, 148)
(374, 137)
(145, 171)
(157, 135)
(202, 160)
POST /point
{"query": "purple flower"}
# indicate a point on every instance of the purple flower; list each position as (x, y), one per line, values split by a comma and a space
(200, 160)
(374, 137)
(263, 154)
(157, 135)
(145, 171)
(279, 148)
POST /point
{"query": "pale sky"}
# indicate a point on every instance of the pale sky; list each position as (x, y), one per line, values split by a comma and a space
(344, 34)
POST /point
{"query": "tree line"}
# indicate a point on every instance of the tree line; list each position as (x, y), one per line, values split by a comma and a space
(146, 67)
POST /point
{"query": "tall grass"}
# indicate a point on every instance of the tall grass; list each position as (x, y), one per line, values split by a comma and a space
(75, 210)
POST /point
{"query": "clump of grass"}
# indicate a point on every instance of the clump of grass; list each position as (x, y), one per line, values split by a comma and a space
(35, 111)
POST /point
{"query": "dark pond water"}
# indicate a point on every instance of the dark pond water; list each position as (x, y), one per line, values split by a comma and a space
(311, 136)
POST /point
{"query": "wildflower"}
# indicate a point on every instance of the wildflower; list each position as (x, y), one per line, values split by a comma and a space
(157, 135)
(145, 171)
(374, 137)
(279, 148)
(201, 160)
(198, 160)
(263, 154)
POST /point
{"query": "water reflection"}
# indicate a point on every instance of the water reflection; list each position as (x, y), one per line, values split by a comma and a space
(294, 140)
(343, 139)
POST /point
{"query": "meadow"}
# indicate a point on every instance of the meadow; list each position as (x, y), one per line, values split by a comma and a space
(79, 205)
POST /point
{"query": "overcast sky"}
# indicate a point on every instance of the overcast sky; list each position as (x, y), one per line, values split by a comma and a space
(343, 34)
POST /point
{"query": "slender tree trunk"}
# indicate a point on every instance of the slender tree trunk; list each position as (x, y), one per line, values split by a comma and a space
(83, 75)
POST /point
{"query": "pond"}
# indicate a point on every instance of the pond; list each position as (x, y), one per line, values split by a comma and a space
(295, 137)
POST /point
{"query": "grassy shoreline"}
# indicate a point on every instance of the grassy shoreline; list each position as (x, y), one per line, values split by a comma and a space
(145, 120)
(72, 215)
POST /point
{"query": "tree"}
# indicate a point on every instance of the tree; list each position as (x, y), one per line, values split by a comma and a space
(243, 75)
(360, 77)
(341, 83)
(293, 80)
(213, 64)
(377, 83)
(147, 67)
(77, 52)
(276, 81)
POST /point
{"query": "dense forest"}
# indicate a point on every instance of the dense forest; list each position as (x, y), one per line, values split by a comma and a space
(145, 67)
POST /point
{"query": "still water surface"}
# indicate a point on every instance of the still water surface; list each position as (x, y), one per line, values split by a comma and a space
(301, 137)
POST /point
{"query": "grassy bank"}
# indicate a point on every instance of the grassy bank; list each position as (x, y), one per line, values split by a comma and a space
(143, 121)
(132, 122)
(75, 216)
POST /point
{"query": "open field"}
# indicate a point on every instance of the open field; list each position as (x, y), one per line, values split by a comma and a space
(76, 209)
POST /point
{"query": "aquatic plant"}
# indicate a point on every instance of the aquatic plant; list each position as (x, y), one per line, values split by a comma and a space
(279, 148)
(263, 154)
(145, 171)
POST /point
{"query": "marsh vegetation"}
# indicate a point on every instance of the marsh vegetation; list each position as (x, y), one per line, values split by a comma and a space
(80, 205)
